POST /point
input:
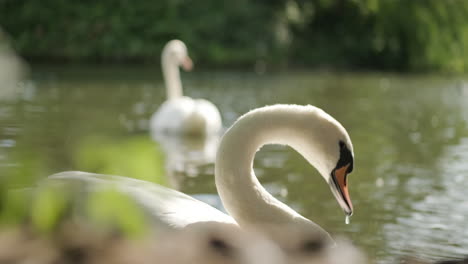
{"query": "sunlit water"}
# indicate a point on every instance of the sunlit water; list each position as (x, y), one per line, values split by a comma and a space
(410, 135)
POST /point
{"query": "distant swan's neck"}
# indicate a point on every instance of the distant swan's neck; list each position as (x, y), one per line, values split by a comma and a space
(171, 76)
(241, 192)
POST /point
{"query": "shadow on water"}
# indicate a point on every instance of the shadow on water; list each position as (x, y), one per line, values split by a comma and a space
(410, 138)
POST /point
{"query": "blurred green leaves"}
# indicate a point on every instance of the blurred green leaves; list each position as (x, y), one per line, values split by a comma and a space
(110, 208)
(15, 206)
(48, 204)
(379, 34)
(137, 30)
(136, 157)
(48, 207)
(392, 35)
(52, 203)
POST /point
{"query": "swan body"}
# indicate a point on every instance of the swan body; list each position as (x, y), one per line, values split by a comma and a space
(186, 116)
(316, 135)
(181, 114)
(167, 208)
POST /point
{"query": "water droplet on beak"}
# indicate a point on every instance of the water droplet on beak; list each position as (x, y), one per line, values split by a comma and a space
(347, 219)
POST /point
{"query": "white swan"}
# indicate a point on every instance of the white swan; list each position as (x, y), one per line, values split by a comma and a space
(321, 140)
(313, 133)
(181, 114)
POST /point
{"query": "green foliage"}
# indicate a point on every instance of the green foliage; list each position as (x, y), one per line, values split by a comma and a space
(110, 208)
(215, 31)
(48, 207)
(136, 157)
(383, 34)
(14, 209)
(45, 207)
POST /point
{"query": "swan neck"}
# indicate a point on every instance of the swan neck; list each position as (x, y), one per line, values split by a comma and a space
(241, 192)
(171, 75)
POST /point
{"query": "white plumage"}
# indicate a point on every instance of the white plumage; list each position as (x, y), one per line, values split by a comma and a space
(166, 207)
(182, 115)
(321, 139)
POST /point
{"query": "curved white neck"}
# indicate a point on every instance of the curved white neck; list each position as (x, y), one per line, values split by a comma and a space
(241, 192)
(171, 76)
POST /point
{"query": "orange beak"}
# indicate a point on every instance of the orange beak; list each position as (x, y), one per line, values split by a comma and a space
(187, 64)
(339, 186)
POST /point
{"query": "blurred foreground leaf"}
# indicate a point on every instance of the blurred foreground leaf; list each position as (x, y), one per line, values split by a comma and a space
(15, 205)
(110, 208)
(136, 157)
(49, 205)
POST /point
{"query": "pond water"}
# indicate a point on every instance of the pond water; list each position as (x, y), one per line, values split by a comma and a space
(410, 136)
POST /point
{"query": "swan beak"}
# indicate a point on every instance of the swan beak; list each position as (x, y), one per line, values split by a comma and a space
(339, 187)
(187, 64)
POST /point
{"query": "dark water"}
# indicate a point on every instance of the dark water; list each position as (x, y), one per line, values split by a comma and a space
(410, 136)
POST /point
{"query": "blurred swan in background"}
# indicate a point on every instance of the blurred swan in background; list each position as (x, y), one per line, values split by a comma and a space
(321, 139)
(181, 114)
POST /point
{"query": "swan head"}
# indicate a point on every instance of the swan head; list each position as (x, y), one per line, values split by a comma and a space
(327, 146)
(176, 52)
(317, 136)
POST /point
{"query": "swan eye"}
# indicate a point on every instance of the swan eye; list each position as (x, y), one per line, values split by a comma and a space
(312, 246)
(342, 144)
(220, 246)
(346, 157)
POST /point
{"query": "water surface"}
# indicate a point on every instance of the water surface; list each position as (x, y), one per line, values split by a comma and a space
(410, 136)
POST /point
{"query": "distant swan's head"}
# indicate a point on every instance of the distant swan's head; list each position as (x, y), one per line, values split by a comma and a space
(176, 52)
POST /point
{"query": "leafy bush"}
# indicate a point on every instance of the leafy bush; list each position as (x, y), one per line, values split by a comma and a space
(217, 32)
(383, 34)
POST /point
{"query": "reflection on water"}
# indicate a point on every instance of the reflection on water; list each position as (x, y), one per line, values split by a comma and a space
(410, 137)
(187, 156)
